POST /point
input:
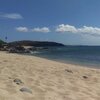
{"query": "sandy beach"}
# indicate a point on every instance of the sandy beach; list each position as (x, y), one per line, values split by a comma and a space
(33, 78)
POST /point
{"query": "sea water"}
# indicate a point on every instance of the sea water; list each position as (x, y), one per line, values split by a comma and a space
(81, 55)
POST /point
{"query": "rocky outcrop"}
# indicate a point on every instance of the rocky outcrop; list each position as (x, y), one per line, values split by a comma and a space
(17, 49)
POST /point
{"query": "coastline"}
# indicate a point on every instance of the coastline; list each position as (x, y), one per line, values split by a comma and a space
(47, 80)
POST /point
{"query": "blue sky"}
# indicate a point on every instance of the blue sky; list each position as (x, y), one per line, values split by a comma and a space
(75, 22)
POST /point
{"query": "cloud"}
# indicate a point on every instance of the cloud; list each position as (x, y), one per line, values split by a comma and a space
(11, 15)
(41, 30)
(89, 30)
(22, 29)
(83, 30)
(94, 31)
(66, 28)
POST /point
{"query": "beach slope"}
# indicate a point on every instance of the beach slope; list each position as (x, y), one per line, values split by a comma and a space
(33, 78)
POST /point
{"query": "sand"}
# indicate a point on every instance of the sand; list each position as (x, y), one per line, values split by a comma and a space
(33, 78)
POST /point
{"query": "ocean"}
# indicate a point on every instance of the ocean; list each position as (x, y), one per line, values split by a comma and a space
(79, 55)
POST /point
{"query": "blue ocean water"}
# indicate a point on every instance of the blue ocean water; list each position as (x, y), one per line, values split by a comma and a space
(81, 55)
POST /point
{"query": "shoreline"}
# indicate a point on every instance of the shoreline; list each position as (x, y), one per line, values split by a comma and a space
(94, 66)
(28, 77)
(69, 63)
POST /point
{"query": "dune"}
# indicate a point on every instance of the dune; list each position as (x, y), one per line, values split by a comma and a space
(33, 78)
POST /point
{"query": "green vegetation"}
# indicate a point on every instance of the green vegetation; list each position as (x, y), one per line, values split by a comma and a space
(35, 43)
(1, 42)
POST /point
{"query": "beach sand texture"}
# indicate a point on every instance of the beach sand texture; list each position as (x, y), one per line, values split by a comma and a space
(33, 78)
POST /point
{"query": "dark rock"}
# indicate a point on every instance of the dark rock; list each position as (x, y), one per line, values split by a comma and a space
(12, 50)
(70, 71)
(85, 77)
(18, 81)
(16, 49)
(26, 90)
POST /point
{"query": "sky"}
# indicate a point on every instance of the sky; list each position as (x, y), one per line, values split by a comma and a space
(71, 22)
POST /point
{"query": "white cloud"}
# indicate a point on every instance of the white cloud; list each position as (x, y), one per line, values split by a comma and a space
(22, 29)
(66, 28)
(11, 15)
(95, 31)
(43, 30)
(89, 30)
(72, 29)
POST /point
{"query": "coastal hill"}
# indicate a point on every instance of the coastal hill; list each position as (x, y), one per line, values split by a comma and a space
(26, 46)
(34, 43)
